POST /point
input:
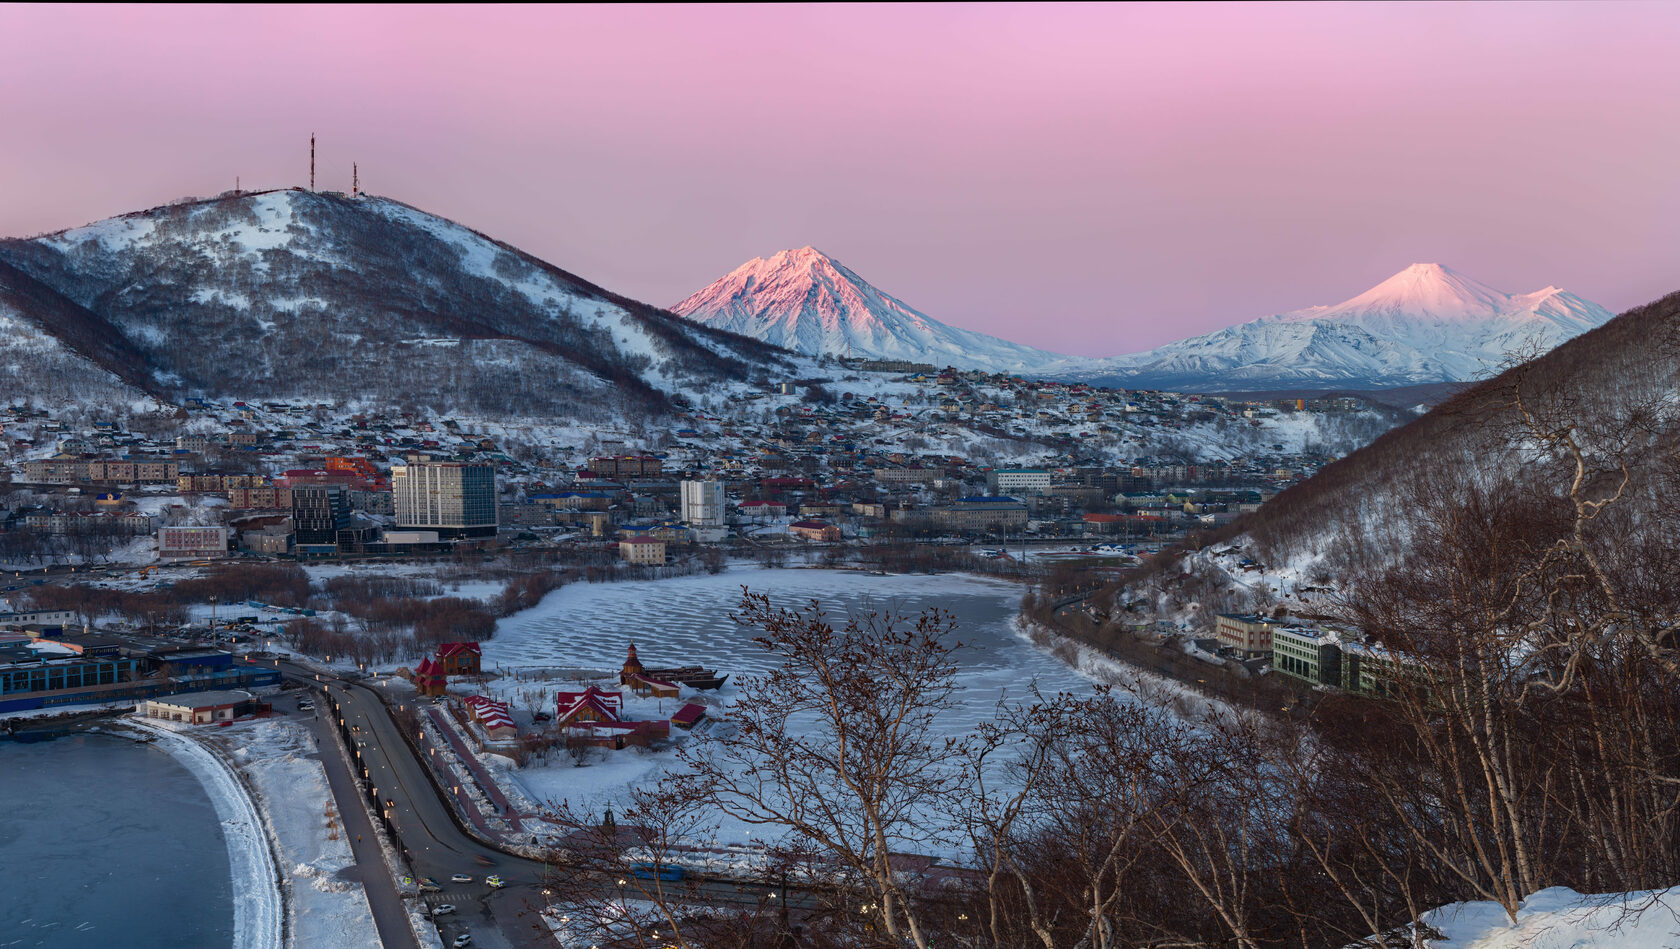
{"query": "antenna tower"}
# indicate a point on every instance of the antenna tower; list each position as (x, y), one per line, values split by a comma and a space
(312, 161)
(355, 180)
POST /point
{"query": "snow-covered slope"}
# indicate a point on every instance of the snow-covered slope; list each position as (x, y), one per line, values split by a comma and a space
(54, 354)
(297, 294)
(809, 302)
(1425, 324)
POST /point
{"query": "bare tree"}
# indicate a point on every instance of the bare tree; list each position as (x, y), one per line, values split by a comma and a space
(834, 752)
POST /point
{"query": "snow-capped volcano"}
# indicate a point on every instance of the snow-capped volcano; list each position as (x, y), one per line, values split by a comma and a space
(809, 302)
(1425, 324)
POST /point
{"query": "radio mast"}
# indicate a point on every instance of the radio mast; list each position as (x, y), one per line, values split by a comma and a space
(311, 161)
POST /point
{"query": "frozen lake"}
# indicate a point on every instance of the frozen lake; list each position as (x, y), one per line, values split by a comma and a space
(108, 843)
(686, 621)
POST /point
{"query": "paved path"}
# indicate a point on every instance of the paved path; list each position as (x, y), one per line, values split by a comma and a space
(390, 915)
(485, 781)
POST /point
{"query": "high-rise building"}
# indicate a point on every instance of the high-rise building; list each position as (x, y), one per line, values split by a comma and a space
(702, 503)
(1018, 482)
(456, 499)
(319, 512)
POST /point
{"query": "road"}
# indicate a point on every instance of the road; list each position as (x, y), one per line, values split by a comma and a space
(426, 829)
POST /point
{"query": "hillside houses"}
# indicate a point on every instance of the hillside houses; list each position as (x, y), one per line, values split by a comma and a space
(909, 455)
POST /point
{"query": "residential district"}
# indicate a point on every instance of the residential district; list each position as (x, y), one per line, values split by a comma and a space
(998, 468)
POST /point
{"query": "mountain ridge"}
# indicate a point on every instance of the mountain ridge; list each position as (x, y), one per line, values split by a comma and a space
(1425, 324)
(277, 293)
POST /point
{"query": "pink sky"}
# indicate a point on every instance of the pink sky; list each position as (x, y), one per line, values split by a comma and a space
(1089, 179)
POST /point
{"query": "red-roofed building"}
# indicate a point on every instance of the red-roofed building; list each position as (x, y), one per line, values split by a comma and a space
(496, 718)
(1104, 523)
(689, 715)
(814, 530)
(590, 705)
(429, 678)
(459, 659)
(632, 667)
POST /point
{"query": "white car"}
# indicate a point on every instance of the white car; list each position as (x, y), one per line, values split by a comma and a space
(443, 910)
(460, 878)
(494, 881)
(465, 939)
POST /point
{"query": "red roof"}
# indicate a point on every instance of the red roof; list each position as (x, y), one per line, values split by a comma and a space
(689, 714)
(446, 650)
(610, 705)
(489, 712)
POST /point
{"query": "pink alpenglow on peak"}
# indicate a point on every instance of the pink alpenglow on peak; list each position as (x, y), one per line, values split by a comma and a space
(809, 302)
(1427, 291)
(1425, 324)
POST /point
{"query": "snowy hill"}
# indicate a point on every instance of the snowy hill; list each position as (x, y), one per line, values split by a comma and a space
(301, 295)
(1425, 324)
(809, 302)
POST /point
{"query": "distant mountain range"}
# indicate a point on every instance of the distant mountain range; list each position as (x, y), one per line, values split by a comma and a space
(809, 302)
(1426, 324)
(295, 294)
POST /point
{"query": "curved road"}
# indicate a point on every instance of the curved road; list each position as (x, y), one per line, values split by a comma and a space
(426, 828)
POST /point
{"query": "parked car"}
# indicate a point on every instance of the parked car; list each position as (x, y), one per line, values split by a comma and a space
(465, 939)
(460, 878)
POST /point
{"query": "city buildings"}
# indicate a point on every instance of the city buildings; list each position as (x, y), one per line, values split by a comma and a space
(192, 543)
(702, 503)
(1311, 655)
(1018, 482)
(642, 550)
(1246, 634)
(456, 499)
(200, 708)
(319, 512)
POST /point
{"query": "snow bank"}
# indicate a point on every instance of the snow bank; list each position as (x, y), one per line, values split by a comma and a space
(1560, 918)
(258, 909)
(279, 755)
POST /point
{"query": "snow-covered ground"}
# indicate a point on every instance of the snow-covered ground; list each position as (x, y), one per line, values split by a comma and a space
(258, 908)
(283, 764)
(585, 630)
(1560, 918)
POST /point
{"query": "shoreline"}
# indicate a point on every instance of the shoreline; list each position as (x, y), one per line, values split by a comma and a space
(259, 900)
